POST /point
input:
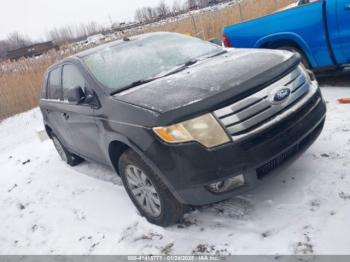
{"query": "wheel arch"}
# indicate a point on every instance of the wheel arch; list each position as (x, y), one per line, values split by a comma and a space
(117, 146)
(287, 39)
(48, 130)
(115, 149)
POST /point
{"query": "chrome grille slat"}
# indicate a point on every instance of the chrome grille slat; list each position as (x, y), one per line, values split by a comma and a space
(287, 80)
(221, 113)
(290, 77)
(230, 120)
(300, 80)
(299, 93)
(258, 108)
(252, 121)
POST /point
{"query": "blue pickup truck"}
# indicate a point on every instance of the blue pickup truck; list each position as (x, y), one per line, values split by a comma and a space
(318, 30)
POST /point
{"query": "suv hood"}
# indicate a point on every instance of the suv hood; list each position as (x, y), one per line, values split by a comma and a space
(210, 82)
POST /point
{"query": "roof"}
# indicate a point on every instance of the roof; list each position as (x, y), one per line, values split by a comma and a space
(120, 42)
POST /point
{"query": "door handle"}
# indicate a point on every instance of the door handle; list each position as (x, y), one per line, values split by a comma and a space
(347, 7)
(66, 116)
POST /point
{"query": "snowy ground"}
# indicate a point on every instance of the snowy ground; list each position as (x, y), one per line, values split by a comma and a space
(49, 207)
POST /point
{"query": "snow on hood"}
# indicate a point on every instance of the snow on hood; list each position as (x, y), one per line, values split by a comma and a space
(230, 71)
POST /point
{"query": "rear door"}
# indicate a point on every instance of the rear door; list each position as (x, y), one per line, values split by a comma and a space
(79, 119)
(51, 105)
(338, 18)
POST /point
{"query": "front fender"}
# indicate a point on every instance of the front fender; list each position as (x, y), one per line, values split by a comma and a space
(110, 137)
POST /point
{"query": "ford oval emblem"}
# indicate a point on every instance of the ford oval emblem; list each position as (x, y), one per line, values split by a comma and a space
(281, 95)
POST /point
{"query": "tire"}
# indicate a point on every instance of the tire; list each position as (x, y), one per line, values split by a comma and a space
(166, 209)
(304, 59)
(66, 156)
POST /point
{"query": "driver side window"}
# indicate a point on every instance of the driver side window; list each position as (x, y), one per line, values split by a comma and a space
(71, 77)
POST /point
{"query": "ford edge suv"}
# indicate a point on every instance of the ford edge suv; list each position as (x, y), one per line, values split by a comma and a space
(184, 122)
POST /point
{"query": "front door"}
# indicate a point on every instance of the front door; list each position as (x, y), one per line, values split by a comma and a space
(79, 119)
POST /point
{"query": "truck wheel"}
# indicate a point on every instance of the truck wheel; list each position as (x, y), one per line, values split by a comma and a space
(66, 156)
(149, 194)
(304, 59)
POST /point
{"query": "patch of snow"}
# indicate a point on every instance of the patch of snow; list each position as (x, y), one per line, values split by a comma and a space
(48, 207)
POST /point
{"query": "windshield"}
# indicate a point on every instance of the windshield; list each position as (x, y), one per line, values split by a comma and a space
(119, 66)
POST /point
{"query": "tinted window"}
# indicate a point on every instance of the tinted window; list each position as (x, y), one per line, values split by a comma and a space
(304, 2)
(71, 78)
(124, 63)
(54, 87)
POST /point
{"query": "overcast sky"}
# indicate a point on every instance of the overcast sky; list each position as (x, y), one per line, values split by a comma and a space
(35, 17)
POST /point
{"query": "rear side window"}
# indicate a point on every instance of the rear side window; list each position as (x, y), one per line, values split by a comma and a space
(54, 87)
(71, 78)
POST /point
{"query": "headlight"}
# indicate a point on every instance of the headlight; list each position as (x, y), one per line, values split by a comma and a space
(204, 129)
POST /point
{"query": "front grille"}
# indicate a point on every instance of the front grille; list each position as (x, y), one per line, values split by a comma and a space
(273, 164)
(283, 125)
(282, 158)
(259, 111)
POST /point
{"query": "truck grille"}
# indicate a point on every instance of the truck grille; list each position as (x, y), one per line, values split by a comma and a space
(261, 110)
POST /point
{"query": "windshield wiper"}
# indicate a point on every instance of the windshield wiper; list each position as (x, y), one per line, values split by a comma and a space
(217, 54)
(147, 80)
(179, 68)
(134, 84)
(190, 62)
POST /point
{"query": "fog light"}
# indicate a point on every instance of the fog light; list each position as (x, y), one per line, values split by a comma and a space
(227, 185)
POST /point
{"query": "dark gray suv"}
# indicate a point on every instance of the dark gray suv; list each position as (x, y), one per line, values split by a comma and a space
(184, 122)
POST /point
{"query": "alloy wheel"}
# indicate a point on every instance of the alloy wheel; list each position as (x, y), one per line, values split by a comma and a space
(143, 190)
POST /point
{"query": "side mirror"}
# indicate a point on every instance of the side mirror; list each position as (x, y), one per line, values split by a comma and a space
(216, 41)
(76, 95)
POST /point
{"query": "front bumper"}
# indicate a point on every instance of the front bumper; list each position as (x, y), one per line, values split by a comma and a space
(189, 168)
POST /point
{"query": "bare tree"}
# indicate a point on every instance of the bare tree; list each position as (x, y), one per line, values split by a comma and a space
(176, 7)
(145, 14)
(93, 28)
(139, 17)
(70, 34)
(16, 40)
(162, 9)
(151, 13)
(55, 36)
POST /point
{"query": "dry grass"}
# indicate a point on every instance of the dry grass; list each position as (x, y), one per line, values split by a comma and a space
(20, 83)
(210, 25)
(20, 86)
(19, 90)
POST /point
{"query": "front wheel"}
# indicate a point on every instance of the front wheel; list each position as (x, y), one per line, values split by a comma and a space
(149, 194)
